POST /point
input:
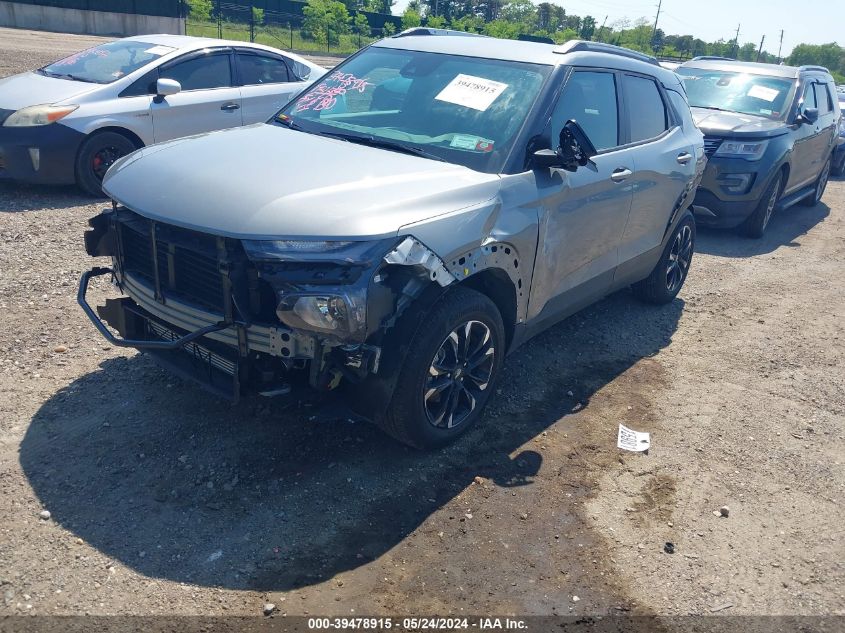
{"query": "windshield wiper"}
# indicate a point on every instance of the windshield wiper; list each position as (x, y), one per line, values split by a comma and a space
(70, 76)
(712, 108)
(372, 141)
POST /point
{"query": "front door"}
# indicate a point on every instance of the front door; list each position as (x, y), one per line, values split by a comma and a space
(267, 84)
(582, 213)
(208, 100)
(805, 148)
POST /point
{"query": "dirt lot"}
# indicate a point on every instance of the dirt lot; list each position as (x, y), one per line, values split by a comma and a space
(164, 500)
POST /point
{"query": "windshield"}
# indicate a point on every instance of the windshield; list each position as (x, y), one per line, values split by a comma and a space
(738, 92)
(106, 63)
(463, 110)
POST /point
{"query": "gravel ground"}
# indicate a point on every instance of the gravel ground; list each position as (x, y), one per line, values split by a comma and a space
(164, 500)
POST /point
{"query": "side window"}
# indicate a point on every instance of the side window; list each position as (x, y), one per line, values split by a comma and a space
(590, 99)
(258, 69)
(146, 85)
(299, 71)
(646, 110)
(201, 73)
(809, 99)
(681, 106)
(823, 100)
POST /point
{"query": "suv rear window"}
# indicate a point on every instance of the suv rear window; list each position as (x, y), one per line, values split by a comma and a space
(646, 110)
(823, 100)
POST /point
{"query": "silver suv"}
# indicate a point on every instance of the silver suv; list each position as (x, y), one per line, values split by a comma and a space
(398, 228)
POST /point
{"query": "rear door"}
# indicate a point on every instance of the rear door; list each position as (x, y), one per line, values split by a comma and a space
(582, 213)
(665, 160)
(209, 99)
(826, 125)
(267, 83)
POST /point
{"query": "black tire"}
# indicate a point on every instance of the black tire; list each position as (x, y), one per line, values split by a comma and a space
(838, 168)
(756, 224)
(411, 417)
(819, 186)
(97, 153)
(668, 276)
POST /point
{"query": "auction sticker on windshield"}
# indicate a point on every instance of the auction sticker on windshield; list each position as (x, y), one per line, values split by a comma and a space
(761, 92)
(471, 92)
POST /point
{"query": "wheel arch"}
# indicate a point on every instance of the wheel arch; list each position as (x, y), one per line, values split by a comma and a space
(125, 132)
(496, 285)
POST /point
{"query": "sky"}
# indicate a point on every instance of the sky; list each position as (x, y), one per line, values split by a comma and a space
(823, 20)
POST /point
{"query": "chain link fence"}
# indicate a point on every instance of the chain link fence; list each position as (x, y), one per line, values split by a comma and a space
(257, 22)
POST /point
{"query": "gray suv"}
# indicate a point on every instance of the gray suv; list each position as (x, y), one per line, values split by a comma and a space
(402, 225)
(769, 132)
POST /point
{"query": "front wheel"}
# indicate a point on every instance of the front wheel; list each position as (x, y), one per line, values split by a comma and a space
(449, 372)
(670, 273)
(757, 222)
(99, 152)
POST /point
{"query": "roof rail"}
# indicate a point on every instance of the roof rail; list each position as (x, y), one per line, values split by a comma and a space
(812, 67)
(424, 30)
(525, 37)
(714, 58)
(573, 46)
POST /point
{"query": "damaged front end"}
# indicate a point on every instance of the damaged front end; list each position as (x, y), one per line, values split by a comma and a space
(242, 316)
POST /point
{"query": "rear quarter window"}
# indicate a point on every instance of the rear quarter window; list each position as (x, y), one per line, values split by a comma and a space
(647, 117)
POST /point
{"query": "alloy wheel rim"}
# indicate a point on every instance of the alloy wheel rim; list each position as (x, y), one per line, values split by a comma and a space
(770, 206)
(459, 373)
(680, 257)
(104, 159)
(822, 182)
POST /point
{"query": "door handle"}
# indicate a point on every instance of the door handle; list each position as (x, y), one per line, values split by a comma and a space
(684, 158)
(230, 107)
(620, 174)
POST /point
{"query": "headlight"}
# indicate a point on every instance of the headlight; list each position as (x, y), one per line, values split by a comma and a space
(741, 149)
(323, 313)
(39, 115)
(316, 250)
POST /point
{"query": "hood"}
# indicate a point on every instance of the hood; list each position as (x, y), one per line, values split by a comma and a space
(736, 124)
(265, 181)
(28, 89)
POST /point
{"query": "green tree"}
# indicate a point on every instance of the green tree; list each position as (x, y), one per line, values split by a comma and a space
(520, 12)
(325, 20)
(410, 19)
(388, 29)
(257, 16)
(831, 56)
(200, 9)
(361, 25)
(436, 22)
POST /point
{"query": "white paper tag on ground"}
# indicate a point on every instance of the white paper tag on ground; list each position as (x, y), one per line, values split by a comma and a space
(471, 92)
(631, 440)
(761, 92)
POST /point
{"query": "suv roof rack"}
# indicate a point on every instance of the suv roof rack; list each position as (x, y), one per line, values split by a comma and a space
(573, 46)
(712, 58)
(424, 30)
(812, 67)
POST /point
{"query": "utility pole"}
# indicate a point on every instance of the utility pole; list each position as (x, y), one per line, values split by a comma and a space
(760, 50)
(656, 18)
(780, 46)
(602, 28)
(736, 41)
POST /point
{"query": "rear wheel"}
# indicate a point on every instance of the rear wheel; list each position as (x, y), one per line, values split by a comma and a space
(821, 184)
(757, 222)
(449, 372)
(670, 273)
(99, 152)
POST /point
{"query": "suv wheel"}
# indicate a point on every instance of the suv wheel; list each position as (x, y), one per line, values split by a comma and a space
(821, 184)
(449, 372)
(97, 154)
(670, 273)
(757, 222)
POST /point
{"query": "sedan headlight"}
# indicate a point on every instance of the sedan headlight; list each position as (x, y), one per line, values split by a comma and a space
(752, 150)
(38, 115)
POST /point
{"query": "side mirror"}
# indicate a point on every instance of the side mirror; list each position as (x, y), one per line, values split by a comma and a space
(165, 88)
(574, 150)
(809, 115)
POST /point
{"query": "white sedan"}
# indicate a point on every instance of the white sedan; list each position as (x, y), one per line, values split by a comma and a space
(68, 122)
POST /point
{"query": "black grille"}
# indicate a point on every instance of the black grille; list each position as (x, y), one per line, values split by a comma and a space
(711, 144)
(186, 261)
